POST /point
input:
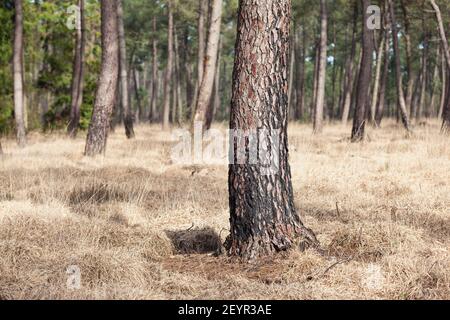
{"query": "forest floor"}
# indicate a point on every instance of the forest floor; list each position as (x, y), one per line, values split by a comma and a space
(138, 226)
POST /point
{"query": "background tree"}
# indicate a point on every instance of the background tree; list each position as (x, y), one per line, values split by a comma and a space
(107, 83)
(78, 73)
(365, 73)
(19, 109)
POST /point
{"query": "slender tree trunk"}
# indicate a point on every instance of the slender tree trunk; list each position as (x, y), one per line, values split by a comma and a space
(127, 112)
(188, 74)
(209, 70)
(301, 51)
(291, 79)
(350, 72)
(316, 76)
(398, 72)
(376, 86)
(154, 73)
(137, 93)
(168, 76)
(263, 220)
(77, 75)
(384, 79)
(107, 83)
(202, 19)
(179, 106)
(446, 89)
(215, 100)
(365, 74)
(434, 80)
(19, 111)
(444, 86)
(409, 59)
(320, 101)
(423, 85)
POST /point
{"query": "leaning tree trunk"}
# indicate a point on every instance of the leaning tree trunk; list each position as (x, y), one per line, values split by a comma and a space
(127, 112)
(263, 220)
(320, 100)
(446, 105)
(444, 86)
(210, 63)
(77, 75)
(398, 71)
(168, 75)
(107, 83)
(365, 74)
(19, 107)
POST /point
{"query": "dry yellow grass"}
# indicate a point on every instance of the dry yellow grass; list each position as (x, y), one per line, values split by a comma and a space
(381, 208)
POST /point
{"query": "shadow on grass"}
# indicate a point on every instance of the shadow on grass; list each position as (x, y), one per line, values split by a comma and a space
(195, 241)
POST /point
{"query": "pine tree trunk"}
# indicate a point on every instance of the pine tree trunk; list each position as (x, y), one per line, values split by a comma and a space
(77, 75)
(384, 79)
(423, 85)
(179, 105)
(301, 76)
(435, 78)
(168, 75)
(320, 100)
(365, 74)
(152, 115)
(202, 21)
(215, 99)
(209, 69)
(107, 83)
(127, 112)
(263, 220)
(376, 87)
(409, 60)
(398, 72)
(446, 104)
(188, 74)
(350, 71)
(444, 86)
(19, 107)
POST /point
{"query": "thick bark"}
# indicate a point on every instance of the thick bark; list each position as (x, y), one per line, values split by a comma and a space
(263, 220)
(398, 72)
(125, 99)
(107, 83)
(168, 75)
(320, 100)
(365, 73)
(19, 106)
(77, 75)
(350, 71)
(153, 101)
(210, 62)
